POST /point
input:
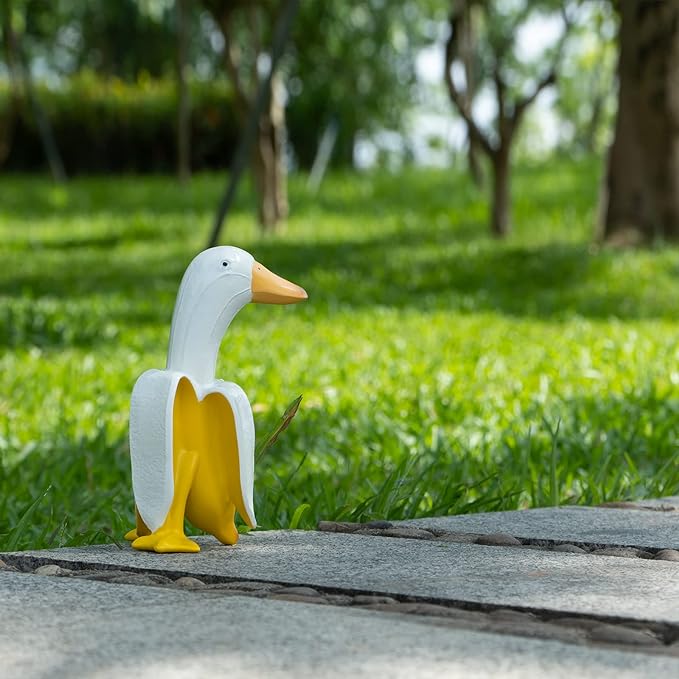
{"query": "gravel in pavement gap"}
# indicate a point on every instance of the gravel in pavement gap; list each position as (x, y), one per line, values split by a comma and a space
(388, 530)
(645, 636)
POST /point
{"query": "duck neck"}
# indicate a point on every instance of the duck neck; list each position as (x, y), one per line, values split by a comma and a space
(195, 342)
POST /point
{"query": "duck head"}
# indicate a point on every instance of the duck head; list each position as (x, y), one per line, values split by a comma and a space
(217, 284)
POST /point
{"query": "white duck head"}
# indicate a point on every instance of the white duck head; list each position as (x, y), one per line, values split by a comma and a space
(217, 284)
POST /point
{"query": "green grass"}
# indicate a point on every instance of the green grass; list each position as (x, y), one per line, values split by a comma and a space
(442, 371)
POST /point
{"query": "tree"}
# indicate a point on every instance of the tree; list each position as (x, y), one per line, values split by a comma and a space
(641, 194)
(10, 58)
(246, 28)
(462, 41)
(516, 84)
(586, 102)
(260, 104)
(183, 98)
(351, 65)
(22, 89)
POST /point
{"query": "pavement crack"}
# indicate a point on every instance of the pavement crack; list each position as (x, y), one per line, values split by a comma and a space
(591, 630)
(389, 530)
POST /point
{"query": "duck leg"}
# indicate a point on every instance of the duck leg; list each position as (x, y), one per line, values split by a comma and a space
(170, 536)
(228, 533)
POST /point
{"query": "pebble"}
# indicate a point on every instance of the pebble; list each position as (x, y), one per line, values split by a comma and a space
(448, 536)
(6, 567)
(423, 608)
(247, 586)
(150, 579)
(667, 555)
(299, 598)
(580, 623)
(628, 552)
(621, 505)
(100, 575)
(379, 524)
(369, 599)
(499, 540)
(510, 615)
(461, 615)
(187, 582)
(297, 591)
(619, 634)
(412, 533)
(52, 569)
(643, 554)
(569, 549)
(537, 630)
(451, 614)
(234, 592)
(338, 527)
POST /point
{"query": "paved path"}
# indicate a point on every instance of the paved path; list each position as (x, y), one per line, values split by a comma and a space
(430, 570)
(644, 528)
(476, 596)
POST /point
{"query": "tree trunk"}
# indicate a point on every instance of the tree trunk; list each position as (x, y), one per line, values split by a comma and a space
(263, 173)
(500, 222)
(20, 72)
(270, 174)
(279, 138)
(641, 201)
(269, 162)
(9, 119)
(183, 103)
(474, 158)
(467, 47)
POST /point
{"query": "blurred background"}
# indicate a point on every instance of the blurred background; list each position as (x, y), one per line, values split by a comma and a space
(481, 199)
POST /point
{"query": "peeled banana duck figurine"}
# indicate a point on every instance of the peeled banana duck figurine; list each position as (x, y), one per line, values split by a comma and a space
(192, 436)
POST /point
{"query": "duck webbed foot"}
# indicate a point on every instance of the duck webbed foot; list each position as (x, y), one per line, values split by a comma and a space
(170, 536)
(166, 541)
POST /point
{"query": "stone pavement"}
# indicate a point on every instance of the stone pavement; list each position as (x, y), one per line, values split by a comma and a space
(550, 592)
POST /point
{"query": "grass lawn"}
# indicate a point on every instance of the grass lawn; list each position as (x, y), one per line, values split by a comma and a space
(442, 372)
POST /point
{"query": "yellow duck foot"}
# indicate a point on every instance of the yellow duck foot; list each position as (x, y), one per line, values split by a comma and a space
(228, 536)
(131, 535)
(165, 542)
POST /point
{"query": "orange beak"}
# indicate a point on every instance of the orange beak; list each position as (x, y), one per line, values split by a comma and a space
(268, 288)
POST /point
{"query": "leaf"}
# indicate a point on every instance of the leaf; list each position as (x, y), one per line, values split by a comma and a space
(288, 415)
(16, 533)
(297, 516)
(553, 471)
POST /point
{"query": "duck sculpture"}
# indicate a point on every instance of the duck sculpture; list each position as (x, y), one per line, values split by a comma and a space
(192, 436)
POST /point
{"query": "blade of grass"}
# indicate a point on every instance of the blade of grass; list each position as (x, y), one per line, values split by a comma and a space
(297, 516)
(18, 530)
(284, 423)
(553, 472)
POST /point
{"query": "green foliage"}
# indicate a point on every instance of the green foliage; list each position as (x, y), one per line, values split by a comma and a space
(125, 39)
(508, 58)
(586, 100)
(442, 371)
(109, 125)
(352, 62)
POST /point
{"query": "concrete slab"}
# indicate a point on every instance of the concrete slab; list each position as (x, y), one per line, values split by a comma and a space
(59, 627)
(501, 576)
(642, 528)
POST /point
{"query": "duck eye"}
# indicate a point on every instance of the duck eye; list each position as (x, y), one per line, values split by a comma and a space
(225, 263)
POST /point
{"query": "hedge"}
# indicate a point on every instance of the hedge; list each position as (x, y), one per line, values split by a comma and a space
(113, 126)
